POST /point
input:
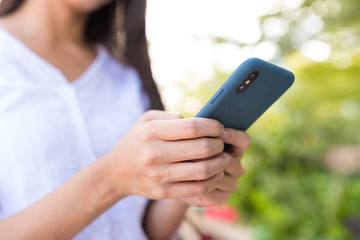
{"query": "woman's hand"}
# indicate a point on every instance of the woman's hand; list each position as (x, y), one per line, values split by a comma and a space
(165, 156)
(240, 142)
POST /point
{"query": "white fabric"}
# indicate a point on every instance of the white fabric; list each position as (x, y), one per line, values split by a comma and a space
(50, 129)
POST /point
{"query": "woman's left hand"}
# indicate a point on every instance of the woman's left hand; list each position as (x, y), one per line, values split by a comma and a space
(240, 142)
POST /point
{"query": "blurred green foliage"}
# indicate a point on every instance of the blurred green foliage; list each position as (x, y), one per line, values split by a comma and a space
(288, 191)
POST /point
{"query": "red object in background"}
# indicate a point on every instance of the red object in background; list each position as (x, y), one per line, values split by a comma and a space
(206, 237)
(224, 213)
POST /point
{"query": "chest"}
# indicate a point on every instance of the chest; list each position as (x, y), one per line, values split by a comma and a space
(54, 119)
(71, 60)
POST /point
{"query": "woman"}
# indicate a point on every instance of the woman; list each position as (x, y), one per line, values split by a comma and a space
(74, 162)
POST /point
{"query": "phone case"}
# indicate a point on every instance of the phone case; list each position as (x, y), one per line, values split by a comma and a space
(241, 110)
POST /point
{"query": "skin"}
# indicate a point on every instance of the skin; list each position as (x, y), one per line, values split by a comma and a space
(148, 161)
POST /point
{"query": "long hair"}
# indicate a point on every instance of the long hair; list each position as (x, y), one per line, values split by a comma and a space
(120, 26)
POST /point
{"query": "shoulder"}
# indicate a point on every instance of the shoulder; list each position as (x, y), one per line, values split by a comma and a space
(12, 69)
(124, 77)
(9, 59)
(9, 66)
(5, 47)
(118, 68)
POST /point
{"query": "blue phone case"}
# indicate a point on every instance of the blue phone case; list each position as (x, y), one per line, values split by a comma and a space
(240, 110)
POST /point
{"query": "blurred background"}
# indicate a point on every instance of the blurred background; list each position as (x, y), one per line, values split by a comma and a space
(302, 179)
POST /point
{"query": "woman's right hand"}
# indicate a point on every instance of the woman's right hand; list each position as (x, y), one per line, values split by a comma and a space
(166, 156)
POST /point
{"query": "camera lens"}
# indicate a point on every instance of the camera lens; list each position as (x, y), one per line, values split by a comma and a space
(240, 89)
(253, 75)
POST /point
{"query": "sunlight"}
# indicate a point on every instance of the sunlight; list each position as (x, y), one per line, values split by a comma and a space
(179, 31)
(316, 50)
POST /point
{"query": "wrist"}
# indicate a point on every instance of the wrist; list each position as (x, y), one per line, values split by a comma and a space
(180, 204)
(177, 206)
(103, 181)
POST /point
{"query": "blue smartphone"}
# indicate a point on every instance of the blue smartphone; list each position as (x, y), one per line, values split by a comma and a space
(252, 88)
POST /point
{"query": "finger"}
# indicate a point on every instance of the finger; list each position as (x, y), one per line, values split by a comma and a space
(228, 183)
(190, 188)
(236, 170)
(159, 115)
(191, 149)
(213, 198)
(196, 171)
(234, 167)
(240, 140)
(190, 128)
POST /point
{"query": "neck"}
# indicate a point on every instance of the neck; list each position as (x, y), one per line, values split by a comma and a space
(51, 21)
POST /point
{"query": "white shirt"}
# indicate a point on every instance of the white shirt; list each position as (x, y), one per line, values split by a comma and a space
(50, 129)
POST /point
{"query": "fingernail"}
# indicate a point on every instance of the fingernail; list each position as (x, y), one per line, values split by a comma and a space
(225, 134)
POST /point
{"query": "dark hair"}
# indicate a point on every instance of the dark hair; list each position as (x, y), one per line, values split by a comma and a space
(120, 26)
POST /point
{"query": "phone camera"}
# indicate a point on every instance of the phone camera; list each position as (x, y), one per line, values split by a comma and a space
(240, 89)
(247, 82)
(253, 75)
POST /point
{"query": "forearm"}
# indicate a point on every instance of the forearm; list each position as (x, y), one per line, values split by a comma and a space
(163, 217)
(66, 211)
